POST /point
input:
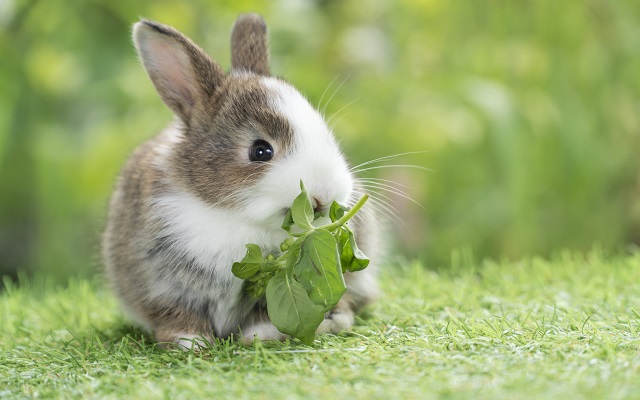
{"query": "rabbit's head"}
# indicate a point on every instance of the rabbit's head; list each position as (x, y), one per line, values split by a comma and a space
(243, 140)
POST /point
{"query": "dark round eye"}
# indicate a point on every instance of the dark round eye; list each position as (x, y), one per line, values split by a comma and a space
(261, 151)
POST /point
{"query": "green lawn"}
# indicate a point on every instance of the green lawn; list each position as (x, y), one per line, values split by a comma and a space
(529, 329)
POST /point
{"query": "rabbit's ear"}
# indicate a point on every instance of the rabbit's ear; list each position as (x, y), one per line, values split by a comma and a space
(249, 47)
(182, 73)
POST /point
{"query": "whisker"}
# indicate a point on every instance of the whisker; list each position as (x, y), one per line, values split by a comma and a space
(376, 190)
(379, 196)
(335, 92)
(383, 211)
(380, 185)
(326, 89)
(390, 157)
(382, 180)
(246, 178)
(385, 208)
(393, 190)
(335, 123)
(378, 210)
(342, 108)
(229, 198)
(392, 166)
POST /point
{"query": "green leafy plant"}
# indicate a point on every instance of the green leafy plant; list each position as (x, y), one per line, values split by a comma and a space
(306, 280)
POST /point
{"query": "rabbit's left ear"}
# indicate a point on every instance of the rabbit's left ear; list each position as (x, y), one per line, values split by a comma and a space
(183, 74)
(249, 47)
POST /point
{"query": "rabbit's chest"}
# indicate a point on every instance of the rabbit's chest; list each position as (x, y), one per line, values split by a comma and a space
(202, 243)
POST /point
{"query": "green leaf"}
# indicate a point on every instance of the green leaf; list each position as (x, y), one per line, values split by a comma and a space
(293, 254)
(318, 269)
(336, 211)
(284, 246)
(346, 252)
(302, 210)
(288, 221)
(351, 257)
(307, 280)
(269, 266)
(291, 310)
(255, 289)
(250, 264)
(360, 261)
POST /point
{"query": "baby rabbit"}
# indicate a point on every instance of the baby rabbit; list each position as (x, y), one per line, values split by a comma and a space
(220, 176)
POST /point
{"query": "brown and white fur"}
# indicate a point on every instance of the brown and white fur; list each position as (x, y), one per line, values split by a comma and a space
(188, 200)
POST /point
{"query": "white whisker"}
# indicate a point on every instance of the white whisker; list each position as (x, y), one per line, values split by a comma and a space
(325, 90)
(387, 214)
(342, 108)
(390, 157)
(372, 189)
(240, 196)
(384, 208)
(392, 166)
(334, 93)
(335, 123)
(246, 178)
(382, 180)
(380, 185)
(389, 202)
(392, 190)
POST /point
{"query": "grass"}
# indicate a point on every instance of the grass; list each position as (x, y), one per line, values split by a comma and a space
(531, 329)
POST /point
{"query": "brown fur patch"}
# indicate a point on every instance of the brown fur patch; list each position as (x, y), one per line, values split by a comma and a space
(202, 76)
(249, 47)
(171, 322)
(213, 159)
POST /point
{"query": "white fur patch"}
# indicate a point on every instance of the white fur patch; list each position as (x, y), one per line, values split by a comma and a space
(211, 233)
(216, 238)
(338, 322)
(315, 157)
(187, 341)
(172, 136)
(264, 330)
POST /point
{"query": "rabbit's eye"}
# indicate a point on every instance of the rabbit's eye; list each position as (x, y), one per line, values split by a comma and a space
(261, 151)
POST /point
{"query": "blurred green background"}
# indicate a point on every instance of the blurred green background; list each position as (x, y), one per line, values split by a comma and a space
(528, 113)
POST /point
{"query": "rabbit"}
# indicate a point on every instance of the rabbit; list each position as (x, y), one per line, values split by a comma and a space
(221, 175)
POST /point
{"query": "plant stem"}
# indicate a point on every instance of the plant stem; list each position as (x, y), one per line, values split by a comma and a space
(347, 216)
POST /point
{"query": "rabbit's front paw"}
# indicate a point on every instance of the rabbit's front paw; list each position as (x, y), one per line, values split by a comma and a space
(184, 341)
(337, 320)
(263, 330)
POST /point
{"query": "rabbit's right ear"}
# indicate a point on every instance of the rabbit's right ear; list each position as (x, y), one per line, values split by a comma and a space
(182, 73)
(249, 45)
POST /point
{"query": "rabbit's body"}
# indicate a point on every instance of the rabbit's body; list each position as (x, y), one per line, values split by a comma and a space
(221, 176)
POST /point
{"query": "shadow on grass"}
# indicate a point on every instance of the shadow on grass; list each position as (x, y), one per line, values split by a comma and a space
(125, 339)
(121, 338)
